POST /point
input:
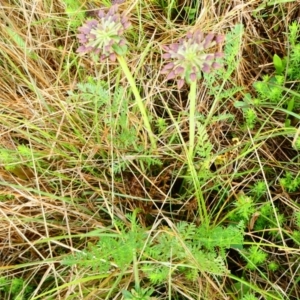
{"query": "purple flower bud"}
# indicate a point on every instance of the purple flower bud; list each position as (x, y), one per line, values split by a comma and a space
(169, 66)
(180, 83)
(219, 54)
(208, 41)
(216, 65)
(101, 14)
(178, 70)
(112, 10)
(220, 38)
(166, 56)
(113, 57)
(193, 76)
(209, 57)
(174, 47)
(171, 75)
(189, 35)
(206, 68)
(81, 49)
(117, 2)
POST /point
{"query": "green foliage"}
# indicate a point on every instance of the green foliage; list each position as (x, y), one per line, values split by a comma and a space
(110, 111)
(5, 197)
(110, 252)
(161, 125)
(249, 296)
(138, 294)
(290, 182)
(279, 64)
(189, 249)
(3, 283)
(293, 70)
(291, 63)
(232, 47)
(296, 236)
(270, 93)
(259, 189)
(95, 92)
(255, 257)
(271, 89)
(244, 208)
(268, 218)
(297, 144)
(221, 237)
(297, 218)
(191, 13)
(194, 247)
(230, 62)
(7, 159)
(13, 160)
(248, 106)
(16, 288)
(204, 146)
(273, 266)
(75, 13)
(250, 117)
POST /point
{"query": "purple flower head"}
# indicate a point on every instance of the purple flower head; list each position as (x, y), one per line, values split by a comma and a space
(189, 57)
(104, 35)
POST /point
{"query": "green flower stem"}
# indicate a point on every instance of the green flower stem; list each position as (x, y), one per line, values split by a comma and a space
(138, 99)
(198, 193)
(190, 154)
(192, 100)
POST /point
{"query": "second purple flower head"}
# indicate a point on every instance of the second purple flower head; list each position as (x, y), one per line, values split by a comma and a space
(188, 57)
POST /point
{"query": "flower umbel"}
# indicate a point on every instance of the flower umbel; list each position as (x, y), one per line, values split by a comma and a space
(104, 36)
(189, 57)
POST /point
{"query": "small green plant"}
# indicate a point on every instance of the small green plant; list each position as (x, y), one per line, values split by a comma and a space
(270, 93)
(250, 117)
(255, 257)
(297, 218)
(139, 294)
(244, 208)
(259, 189)
(249, 296)
(290, 182)
(279, 64)
(293, 61)
(15, 288)
(296, 236)
(185, 250)
(297, 143)
(273, 266)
